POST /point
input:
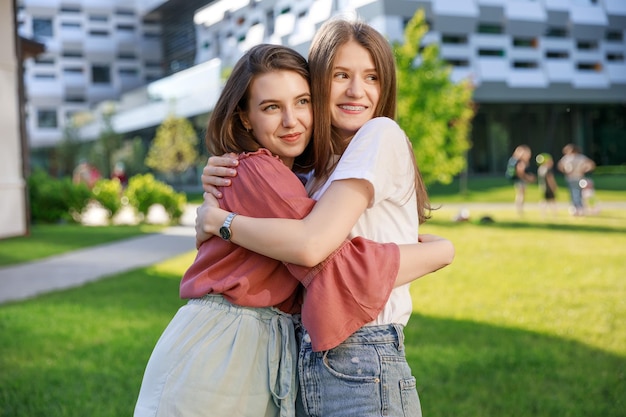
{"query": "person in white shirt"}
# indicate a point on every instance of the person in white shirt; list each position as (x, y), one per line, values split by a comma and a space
(367, 184)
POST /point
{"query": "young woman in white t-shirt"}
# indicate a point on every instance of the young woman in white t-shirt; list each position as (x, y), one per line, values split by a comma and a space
(367, 184)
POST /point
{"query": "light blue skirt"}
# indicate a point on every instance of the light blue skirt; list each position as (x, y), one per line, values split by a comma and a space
(221, 360)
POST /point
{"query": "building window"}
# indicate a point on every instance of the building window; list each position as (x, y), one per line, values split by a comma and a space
(525, 42)
(72, 54)
(44, 76)
(73, 70)
(557, 55)
(456, 62)
(491, 52)
(100, 74)
(75, 99)
(525, 64)
(614, 35)
(587, 45)
(125, 12)
(99, 33)
(128, 72)
(589, 66)
(70, 25)
(98, 18)
(490, 28)
(47, 118)
(126, 28)
(615, 57)
(556, 32)
(70, 9)
(44, 61)
(42, 28)
(454, 39)
(151, 35)
(125, 56)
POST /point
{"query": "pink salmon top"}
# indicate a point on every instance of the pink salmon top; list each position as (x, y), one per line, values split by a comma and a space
(344, 292)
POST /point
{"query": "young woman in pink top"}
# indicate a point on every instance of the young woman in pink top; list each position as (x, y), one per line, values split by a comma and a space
(367, 185)
(231, 351)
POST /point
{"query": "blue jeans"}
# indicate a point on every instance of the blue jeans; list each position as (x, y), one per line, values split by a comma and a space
(367, 375)
(575, 193)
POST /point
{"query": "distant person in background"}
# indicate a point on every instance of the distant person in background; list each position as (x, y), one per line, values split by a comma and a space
(547, 183)
(120, 173)
(575, 166)
(519, 164)
(85, 173)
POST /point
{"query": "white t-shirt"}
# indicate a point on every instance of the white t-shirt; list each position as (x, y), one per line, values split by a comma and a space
(381, 154)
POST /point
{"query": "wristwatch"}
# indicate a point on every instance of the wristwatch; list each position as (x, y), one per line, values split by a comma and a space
(225, 232)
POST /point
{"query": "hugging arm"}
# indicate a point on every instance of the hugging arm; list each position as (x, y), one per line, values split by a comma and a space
(309, 242)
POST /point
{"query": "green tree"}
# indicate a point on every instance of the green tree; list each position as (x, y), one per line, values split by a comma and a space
(174, 148)
(107, 144)
(70, 148)
(435, 112)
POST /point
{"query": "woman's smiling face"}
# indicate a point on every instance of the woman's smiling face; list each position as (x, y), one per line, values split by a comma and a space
(355, 89)
(280, 114)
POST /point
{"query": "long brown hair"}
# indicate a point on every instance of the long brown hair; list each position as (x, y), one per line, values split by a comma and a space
(225, 129)
(329, 38)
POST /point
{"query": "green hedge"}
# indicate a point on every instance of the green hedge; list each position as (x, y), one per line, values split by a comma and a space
(54, 200)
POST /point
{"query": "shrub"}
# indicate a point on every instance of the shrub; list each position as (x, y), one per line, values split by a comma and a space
(144, 190)
(55, 199)
(109, 194)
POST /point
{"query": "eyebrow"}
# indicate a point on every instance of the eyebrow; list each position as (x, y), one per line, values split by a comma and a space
(273, 100)
(338, 67)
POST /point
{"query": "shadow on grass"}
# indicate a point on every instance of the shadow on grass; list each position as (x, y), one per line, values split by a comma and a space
(470, 369)
(83, 351)
(520, 225)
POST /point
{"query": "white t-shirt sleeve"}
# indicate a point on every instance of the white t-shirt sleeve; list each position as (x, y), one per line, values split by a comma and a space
(379, 153)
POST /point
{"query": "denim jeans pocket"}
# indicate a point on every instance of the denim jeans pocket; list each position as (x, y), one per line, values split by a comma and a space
(353, 363)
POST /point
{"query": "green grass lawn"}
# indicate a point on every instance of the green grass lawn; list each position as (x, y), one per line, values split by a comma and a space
(527, 321)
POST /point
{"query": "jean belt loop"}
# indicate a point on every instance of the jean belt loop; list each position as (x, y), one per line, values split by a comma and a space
(400, 333)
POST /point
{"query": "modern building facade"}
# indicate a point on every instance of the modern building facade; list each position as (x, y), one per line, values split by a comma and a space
(95, 51)
(547, 72)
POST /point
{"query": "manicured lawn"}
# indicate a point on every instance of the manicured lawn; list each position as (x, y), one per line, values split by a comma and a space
(527, 321)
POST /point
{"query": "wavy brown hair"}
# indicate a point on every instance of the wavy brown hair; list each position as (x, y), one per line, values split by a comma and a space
(330, 37)
(225, 131)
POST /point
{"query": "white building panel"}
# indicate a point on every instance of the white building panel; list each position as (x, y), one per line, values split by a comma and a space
(590, 80)
(493, 69)
(527, 78)
(616, 72)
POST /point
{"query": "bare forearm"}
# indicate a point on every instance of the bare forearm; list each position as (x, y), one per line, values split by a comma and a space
(421, 259)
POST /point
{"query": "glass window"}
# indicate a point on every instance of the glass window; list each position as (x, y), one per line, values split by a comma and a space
(42, 27)
(72, 54)
(454, 39)
(490, 52)
(556, 32)
(98, 18)
(100, 74)
(490, 28)
(100, 33)
(47, 118)
(557, 54)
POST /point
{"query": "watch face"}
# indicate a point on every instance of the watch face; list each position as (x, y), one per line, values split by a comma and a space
(225, 233)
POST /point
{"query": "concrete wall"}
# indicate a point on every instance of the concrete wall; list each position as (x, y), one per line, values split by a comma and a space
(12, 198)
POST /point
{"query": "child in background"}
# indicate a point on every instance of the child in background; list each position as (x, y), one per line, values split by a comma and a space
(547, 183)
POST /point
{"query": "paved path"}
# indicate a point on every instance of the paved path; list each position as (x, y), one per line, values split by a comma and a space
(22, 281)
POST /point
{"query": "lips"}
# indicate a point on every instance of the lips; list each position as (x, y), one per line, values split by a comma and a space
(292, 137)
(352, 107)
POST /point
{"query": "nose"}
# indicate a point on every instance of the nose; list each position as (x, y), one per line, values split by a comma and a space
(355, 88)
(289, 117)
